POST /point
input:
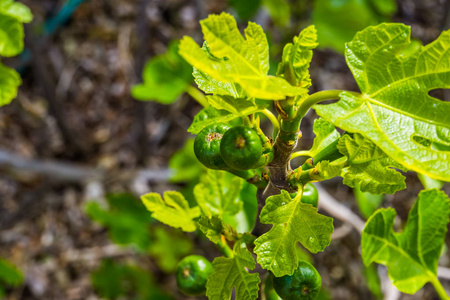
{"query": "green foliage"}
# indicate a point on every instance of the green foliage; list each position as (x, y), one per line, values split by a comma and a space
(326, 135)
(393, 125)
(174, 204)
(235, 59)
(125, 218)
(9, 274)
(16, 10)
(245, 9)
(279, 10)
(214, 228)
(385, 103)
(215, 196)
(9, 83)
(166, 77)
(233, 272)
(297, 57)
(113, 280)
(210, 115)
(183, 164)
(12, 15)
(167, 247)
(373, 280)
(337, 21)
(370, 168)
(368, 203)
(411, 256)
(293, 222)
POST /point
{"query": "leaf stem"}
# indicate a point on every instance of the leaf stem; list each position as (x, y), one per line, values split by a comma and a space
(439, 288)
(300, 153)
(316, 98)
(273, 120)
(197, 95)
(224, 248)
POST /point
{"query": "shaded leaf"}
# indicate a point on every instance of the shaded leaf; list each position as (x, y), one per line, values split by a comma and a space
(370, 168)
(232, 273)
(411, 256)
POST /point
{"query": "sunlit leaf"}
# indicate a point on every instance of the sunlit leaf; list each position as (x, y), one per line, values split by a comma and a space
(293, 222)
(394, 109)
(174, 204)
(236, 59)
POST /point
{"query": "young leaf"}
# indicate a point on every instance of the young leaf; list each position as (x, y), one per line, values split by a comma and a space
(11, 36)
(297, 57)
(214, 228)
(233, 272)
(369, 167)
(213, 86)
(217, 196)
(9, 82)
(411, 256)
(174, 204)
(241, 61)
(165, 76)
(17, 10)
(325, 133)
(293, 221)
(394, 110)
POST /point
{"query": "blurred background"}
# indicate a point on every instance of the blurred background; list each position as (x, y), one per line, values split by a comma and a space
(77, 148)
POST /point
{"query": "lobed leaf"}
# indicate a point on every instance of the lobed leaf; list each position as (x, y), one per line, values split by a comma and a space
(174, 204)
(232, 273)
(293, 221)
(394, 110)
(217, 196)
(297, 57)
(411, 256)
(369, 168)
(236, 59)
